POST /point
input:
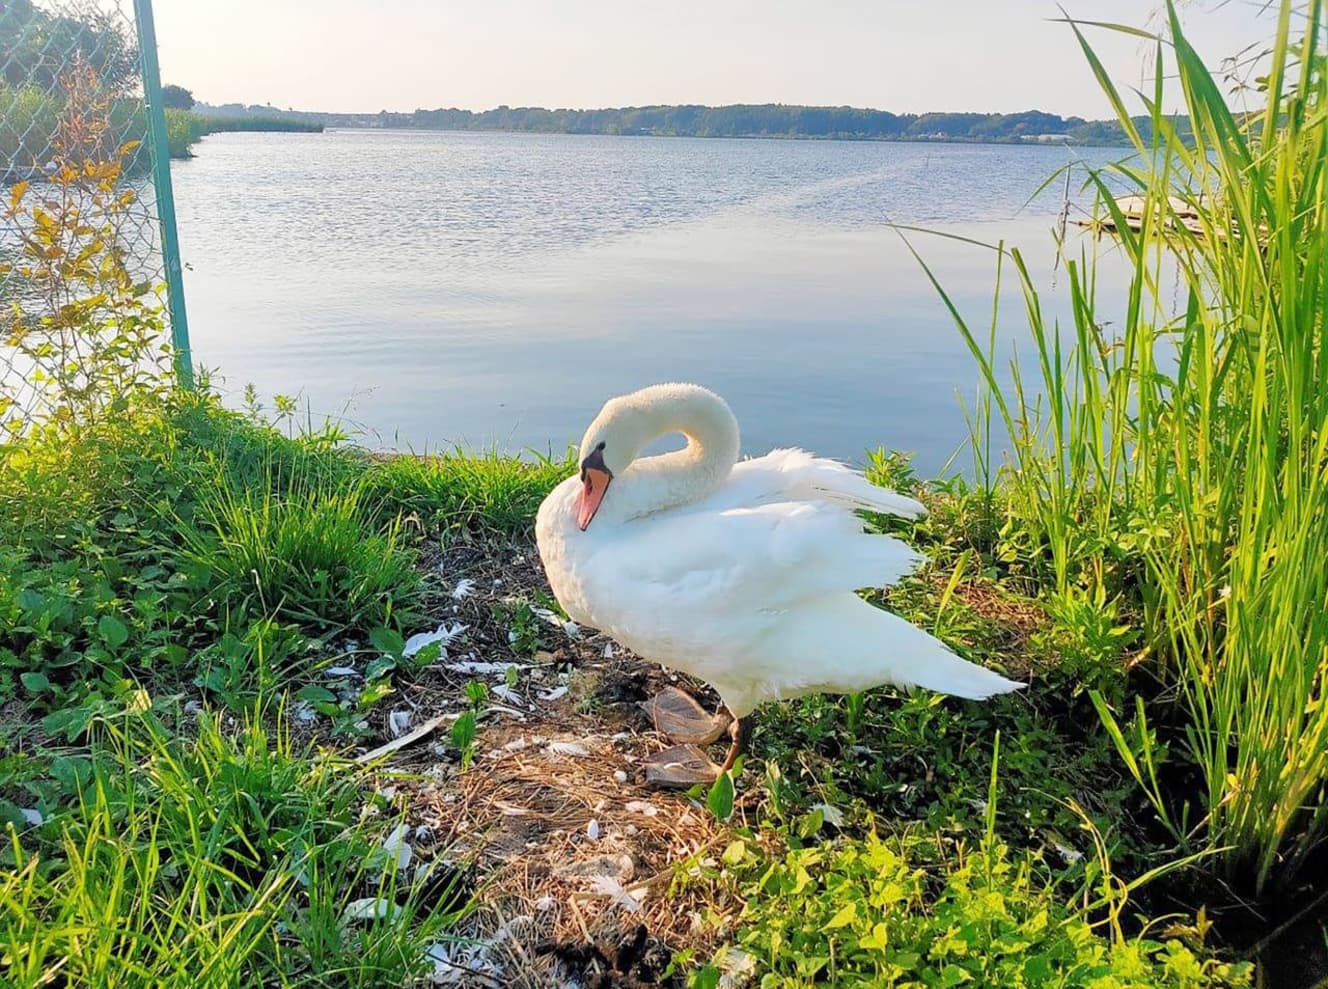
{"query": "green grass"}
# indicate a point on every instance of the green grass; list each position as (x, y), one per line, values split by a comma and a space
(183, 131)
(482, 491)
(183, 541)
(216, 859)
(179, 547)
(27, 120)
(257, 122)
(303, 553)
(29, 116)
(185, 547)
(184, 128)
(1174, 463)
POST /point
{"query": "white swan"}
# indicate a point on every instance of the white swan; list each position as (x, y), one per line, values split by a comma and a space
(740, 573)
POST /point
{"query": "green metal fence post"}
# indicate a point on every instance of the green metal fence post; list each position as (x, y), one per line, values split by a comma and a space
(161, 181)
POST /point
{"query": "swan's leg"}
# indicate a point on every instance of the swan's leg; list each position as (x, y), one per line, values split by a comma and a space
(740, 731)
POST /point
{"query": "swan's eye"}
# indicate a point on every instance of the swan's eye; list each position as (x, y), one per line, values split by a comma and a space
(595, 461)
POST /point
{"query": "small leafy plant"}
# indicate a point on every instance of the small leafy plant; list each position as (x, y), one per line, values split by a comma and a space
(901, 911)
(466, 728)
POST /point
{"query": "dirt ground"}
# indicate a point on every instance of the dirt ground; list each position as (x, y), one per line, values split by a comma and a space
(570, 855)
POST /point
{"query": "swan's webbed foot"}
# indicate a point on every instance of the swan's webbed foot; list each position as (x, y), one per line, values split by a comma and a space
(680, 718)
(680, 768)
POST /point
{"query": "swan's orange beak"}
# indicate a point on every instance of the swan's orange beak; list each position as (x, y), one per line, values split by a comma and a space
(595, 481)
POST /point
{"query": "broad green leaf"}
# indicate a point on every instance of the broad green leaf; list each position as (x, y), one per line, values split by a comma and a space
(113, 631)
(35, 682)
(388, 641)
(720, 798)
(314, 694)
(846, 915)
(379, 667)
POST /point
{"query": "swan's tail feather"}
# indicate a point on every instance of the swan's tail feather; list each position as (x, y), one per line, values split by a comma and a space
(866, 647)
(946, 673)
(838, 483)
(858, 492)
(918, 659)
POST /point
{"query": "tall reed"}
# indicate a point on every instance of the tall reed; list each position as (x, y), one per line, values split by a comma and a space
(1178, 457)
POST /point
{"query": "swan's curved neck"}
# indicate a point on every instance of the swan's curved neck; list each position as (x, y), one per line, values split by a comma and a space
(652, 484)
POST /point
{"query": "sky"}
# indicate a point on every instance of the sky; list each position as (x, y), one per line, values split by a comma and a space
(908, 56)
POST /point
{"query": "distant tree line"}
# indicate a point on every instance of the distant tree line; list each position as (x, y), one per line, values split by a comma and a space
(771, 120)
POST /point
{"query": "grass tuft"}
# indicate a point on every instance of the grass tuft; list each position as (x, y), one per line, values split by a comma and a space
(483, 492)
(303, 553)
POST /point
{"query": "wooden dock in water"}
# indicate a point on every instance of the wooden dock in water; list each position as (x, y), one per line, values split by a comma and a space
(1181, 213)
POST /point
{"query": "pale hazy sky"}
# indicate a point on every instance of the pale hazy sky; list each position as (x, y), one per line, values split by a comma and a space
(900, 55)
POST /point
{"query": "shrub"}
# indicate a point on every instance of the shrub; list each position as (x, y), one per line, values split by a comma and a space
(906, 911)
(86, 332)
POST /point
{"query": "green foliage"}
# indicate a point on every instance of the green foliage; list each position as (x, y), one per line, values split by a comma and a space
(184, 128)
(927, 758)
(48, 65)
(176, 97)
(42, 53)
(480, 491)
(36, 46)
(719, 798)
(182, 543)
(86, 333)
(466, 728)
(246, 664)
(183, 131)
(215, 861)
(526, 631)
(218, 125)
(302, 552)
(905, 910)
(1171, 466)
(349, 707)
(29, 118)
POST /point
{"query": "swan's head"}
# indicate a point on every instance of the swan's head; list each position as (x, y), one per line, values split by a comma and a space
(628, 424)
(616, 437)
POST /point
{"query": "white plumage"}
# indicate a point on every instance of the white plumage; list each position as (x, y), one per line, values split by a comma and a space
(742, 574)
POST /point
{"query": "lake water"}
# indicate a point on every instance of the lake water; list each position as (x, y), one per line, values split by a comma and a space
(438, 288)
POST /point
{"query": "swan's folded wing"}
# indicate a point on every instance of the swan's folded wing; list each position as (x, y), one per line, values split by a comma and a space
(796, 475)
(728, 562)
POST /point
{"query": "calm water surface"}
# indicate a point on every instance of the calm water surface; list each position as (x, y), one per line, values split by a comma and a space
(494, 289)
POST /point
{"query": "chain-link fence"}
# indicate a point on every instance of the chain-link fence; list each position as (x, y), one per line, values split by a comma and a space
(86, 235)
